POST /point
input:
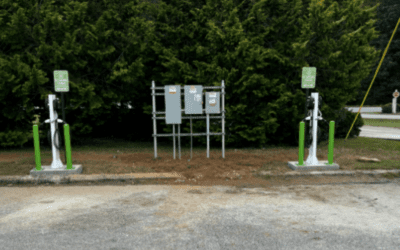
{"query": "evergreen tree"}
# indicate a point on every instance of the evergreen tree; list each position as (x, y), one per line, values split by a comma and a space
(113, 50)
(260, 57)
(86, 38)
(388, 77)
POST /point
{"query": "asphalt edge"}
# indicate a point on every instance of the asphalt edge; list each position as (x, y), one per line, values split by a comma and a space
(76, 179)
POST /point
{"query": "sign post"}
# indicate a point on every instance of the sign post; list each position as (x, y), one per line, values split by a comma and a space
(61, 85)
(394, 101)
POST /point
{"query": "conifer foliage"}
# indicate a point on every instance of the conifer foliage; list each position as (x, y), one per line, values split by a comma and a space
(114, 49)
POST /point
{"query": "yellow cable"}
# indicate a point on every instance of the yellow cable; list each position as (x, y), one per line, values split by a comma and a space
(373, 78)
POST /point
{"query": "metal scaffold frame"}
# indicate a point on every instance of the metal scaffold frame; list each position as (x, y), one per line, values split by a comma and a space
(208, 117)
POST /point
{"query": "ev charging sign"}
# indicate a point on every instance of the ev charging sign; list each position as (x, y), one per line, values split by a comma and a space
(308, 77)
(61, 81)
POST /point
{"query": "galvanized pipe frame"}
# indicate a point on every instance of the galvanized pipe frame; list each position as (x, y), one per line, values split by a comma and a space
(153, 88)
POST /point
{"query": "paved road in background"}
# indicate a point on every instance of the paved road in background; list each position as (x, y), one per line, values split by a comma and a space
(364, 113)
(377, 132)
(380, 132)
(368, 109)
(184, 217)
(386, 117)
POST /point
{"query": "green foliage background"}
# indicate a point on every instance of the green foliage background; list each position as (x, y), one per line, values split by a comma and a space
(114, 49)
(387, 79)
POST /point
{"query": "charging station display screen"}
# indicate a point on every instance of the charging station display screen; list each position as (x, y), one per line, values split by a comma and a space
(61, 81)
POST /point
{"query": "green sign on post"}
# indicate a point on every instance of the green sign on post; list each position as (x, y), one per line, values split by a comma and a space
(61, 81)
(308, 77)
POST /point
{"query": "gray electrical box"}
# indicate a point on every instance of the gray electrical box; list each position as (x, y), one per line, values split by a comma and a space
(173, 114)
(194, 99)
(212, 103)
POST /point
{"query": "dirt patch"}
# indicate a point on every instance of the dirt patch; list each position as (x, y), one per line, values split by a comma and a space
(245, 168)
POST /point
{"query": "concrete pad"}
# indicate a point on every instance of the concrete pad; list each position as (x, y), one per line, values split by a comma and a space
(48, 171)
(322, 166)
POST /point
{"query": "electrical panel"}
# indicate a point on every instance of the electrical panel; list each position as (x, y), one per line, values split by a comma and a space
(193, 99)
(173, 114)
(212, 103)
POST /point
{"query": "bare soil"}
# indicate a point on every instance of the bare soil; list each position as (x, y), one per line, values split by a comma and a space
(240, 167)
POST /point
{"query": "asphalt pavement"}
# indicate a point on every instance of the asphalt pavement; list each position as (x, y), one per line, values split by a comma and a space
(190, 217)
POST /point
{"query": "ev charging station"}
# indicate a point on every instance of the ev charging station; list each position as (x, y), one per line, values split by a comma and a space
(313, 103)
(313, 118)
(56, 167)
(52, 102)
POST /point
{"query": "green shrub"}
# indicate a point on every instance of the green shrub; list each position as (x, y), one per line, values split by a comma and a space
(343, 122)
(387, 108)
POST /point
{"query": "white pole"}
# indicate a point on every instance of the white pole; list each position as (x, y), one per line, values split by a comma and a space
(153, 91)
(56, 163)
(394, 102)
(173, 129)
(312, 155)
(223, 119)
(208, 135)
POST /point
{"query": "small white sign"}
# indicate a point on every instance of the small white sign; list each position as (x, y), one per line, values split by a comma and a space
(172, 90)
(193, 90)
(396, 94)
(213, 94)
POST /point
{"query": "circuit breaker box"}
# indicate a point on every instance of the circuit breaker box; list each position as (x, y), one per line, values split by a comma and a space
(194, 99)
(212, 103)
(173, 114)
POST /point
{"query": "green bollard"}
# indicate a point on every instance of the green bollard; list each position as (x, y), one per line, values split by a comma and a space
(68, 147)
(36, 144)
(331, 138)
(301, 145)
